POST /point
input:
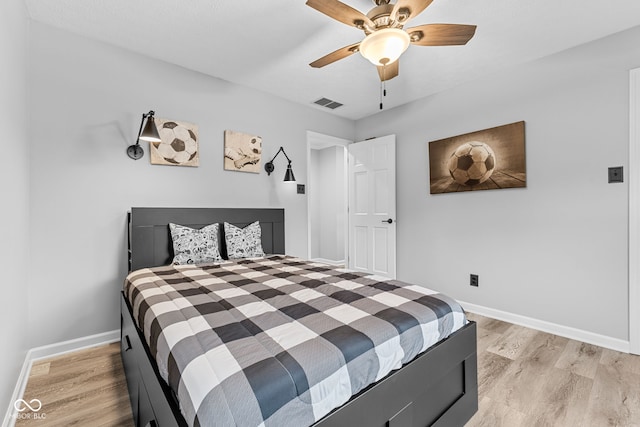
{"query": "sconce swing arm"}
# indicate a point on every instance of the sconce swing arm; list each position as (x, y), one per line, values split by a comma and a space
(269, 165)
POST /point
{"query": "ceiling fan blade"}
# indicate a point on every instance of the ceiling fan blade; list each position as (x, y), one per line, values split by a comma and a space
(412, 8)
(441, 34)
(341, 12)
(336, 55)
(389, 71)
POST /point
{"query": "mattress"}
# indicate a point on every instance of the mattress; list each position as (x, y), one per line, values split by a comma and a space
(279, 341)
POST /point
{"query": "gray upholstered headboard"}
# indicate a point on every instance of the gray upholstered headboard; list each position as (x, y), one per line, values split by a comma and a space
(150, 239)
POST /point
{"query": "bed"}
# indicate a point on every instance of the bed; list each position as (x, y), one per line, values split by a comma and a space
(437, 387)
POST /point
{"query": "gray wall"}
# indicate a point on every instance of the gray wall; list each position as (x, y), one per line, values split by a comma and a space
(87, 99)
(14, 180)
(327, 194)
(314, 203)
(557, 250)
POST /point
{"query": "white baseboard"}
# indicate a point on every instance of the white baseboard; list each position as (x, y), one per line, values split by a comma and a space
(329, 261)
(46, 352)
(60, 348)
(552, 328)
(18, 392)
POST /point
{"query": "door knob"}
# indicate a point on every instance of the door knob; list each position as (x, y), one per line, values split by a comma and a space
(388, 221)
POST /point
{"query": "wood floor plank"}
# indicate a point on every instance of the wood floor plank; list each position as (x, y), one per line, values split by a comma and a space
(512, 342)
(492, 369)
(40, 369)
(486, 339)
(563, 396)
(615, 399)
(532, 377)
(491, 414)
(580, 358)
(544, 349)
(621, 361)
(526, 381)
(487, 333)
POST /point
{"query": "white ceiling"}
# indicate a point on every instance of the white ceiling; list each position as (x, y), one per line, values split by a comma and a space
(267, 45)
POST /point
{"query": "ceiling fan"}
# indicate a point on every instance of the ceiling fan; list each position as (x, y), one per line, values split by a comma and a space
(386, 39)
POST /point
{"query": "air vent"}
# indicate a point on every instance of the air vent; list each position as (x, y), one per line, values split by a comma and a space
(326, 102)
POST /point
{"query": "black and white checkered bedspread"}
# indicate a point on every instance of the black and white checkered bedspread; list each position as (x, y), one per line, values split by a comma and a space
(279, 341)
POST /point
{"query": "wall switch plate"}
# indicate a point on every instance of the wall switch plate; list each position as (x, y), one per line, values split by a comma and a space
(300, 188)
(473, 280)
(615, 174)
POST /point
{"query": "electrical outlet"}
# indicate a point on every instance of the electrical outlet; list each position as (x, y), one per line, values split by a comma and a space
(473, 280)
(300, 188)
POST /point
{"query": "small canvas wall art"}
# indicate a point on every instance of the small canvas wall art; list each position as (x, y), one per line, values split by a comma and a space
(242, 152)
(179, 145)
(483, 160)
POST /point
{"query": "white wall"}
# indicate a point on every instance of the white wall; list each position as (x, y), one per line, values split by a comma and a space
(87, 99)
(14, 180)
(557, 250)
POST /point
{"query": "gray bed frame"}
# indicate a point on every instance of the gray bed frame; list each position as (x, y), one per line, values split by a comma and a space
(438, 388)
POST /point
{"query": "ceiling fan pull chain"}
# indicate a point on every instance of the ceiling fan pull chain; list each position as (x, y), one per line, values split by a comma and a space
(383, 83)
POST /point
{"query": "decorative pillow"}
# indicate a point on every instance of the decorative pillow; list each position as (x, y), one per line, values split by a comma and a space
(191, 246)
(243, 242)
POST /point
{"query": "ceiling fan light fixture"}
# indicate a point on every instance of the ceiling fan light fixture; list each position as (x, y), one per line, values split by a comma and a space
(385, 46)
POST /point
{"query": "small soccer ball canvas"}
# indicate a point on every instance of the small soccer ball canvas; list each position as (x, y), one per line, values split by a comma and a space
(178, 146)
(487, 159)
(472, 163)
(242, 152)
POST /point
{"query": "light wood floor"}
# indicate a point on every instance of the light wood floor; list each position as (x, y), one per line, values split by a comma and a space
(525, 378)
(85, 388)
(530, 378)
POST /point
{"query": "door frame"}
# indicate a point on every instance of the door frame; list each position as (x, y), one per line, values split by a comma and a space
(316, 140)
(634, 211)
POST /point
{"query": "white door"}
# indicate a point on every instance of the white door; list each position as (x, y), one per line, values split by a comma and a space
(372, 206)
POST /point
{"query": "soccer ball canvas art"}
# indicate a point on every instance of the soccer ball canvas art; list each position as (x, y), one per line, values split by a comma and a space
(472, 163)
(178, 145)
(488, 159)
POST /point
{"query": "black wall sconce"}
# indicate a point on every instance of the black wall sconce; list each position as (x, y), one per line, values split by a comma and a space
(288, 176)
(149, 133)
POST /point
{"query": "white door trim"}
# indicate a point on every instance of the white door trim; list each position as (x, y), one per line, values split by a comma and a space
(317, 140)
(634, 212)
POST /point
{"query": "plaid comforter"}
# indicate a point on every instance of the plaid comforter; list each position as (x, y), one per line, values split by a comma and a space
(278, 341)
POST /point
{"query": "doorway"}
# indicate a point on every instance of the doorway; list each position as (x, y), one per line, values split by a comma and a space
(327, 198)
